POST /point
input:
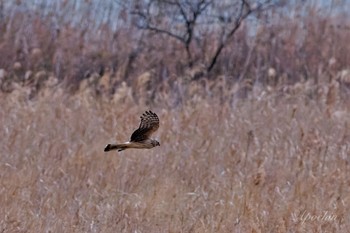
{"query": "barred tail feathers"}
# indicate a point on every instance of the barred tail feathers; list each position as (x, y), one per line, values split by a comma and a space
(118, 147)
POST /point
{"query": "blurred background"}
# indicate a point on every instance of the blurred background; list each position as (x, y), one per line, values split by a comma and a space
(245, 47)
(253, 101)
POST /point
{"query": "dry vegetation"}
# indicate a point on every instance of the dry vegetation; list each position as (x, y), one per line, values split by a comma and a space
(252, 168)
(259, 144)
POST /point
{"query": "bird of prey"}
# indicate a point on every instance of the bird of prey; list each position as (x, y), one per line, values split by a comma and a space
(140, 138)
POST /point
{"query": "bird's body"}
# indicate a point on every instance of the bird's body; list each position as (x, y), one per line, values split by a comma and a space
(140, 139)
(147, 144)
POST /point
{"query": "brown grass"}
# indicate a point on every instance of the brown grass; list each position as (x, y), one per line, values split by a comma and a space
(260, 144)
(258, 166)
(74, 45)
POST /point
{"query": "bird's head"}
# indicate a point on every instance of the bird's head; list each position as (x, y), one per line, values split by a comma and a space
(155, 143)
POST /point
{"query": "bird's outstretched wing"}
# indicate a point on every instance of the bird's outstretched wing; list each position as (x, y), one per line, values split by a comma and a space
(149, 124)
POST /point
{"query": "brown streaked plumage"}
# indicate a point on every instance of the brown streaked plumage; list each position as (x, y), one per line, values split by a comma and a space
(140, 138)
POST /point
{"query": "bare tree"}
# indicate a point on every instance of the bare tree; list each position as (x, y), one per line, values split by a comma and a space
(191, 21)
(175, 18)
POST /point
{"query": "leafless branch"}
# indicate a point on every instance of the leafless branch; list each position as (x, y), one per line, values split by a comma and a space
(187, 13)
(244, 12)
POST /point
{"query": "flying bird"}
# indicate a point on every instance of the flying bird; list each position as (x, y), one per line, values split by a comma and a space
(140, 138)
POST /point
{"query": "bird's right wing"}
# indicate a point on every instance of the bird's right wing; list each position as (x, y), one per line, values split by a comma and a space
(149, 124)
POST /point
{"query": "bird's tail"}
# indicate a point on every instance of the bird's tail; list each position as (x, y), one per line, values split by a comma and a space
(118, 147)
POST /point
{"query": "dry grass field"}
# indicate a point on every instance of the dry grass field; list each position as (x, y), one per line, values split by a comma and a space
(253, 104)
(260, 165)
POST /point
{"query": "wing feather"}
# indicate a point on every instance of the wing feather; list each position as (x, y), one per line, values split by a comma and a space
(148, 125)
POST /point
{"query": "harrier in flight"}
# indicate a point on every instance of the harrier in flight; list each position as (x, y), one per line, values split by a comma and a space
(140, 138)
